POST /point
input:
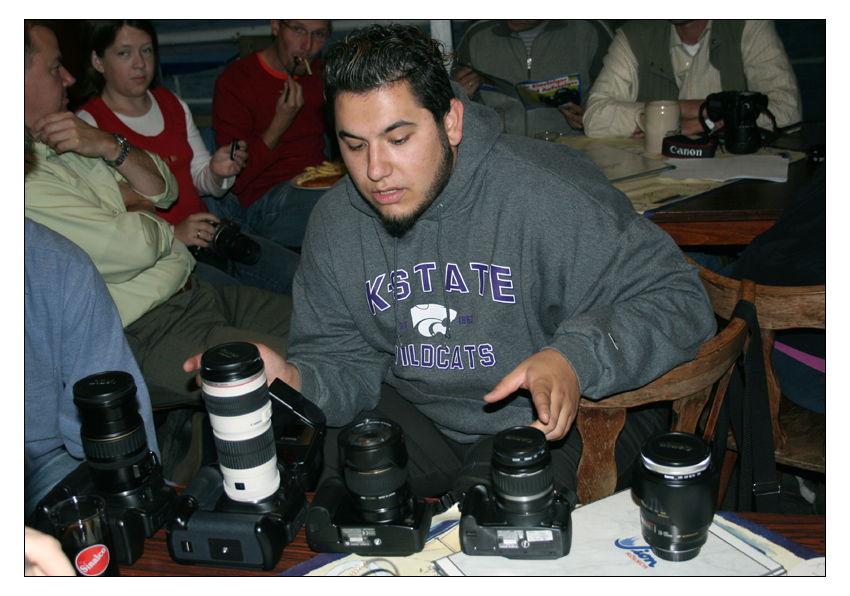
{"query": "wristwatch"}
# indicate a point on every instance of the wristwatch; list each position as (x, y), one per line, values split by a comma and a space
(125, 150)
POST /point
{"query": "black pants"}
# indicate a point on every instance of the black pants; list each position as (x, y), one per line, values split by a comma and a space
(437, 464)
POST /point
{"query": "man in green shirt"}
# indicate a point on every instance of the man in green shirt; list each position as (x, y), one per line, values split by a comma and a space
(101, 193)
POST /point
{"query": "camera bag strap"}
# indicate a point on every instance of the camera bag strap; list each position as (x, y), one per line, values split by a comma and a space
(747, 409)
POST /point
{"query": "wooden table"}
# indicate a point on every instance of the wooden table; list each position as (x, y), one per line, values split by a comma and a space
(808, 530)
(736, 213)
(733, 214)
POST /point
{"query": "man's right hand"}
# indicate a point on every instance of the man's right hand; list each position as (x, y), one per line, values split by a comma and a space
(468, 79)
(64, 131)
(288, 105)
(276, 367)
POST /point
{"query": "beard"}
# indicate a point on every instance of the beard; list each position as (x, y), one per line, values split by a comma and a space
(399, 226)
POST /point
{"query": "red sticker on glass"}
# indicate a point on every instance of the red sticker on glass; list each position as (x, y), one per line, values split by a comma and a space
(92, 560)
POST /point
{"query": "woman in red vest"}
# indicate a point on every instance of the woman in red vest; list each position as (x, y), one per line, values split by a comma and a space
(125, 99)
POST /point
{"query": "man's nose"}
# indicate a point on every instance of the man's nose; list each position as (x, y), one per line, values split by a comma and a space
(67, 79)
(379, 165)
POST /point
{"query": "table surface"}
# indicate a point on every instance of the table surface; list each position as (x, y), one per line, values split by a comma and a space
(808, 530)
(736, 213)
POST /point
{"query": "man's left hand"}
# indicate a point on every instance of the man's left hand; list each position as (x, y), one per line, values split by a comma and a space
(554, 390)
(64, 131)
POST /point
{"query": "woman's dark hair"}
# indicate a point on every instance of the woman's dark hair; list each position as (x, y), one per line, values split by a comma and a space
(99, 35)
(379, 55)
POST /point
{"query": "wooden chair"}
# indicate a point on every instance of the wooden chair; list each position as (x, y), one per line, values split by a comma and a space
(799, 435)
(688, 387)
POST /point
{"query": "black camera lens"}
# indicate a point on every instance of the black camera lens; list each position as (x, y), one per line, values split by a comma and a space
(233, 382)
(523, 482)
(374, 459)
(676, 482)
(230, 243)
(112, 431)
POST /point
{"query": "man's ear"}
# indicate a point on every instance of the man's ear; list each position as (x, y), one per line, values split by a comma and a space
(275, 27)
(453, 121)
(96, 62)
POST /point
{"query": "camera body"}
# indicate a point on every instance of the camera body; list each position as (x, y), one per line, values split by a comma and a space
(119, 466)
(228, 244)
(486, 530)
(524, 517)
(739, 111)
(209, 528)
(133, 515)
(335, 525)
(242, 511)
(373, 511)
(676, 482)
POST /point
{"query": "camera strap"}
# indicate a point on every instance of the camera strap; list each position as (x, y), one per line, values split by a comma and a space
(747, 409)
(702, 145)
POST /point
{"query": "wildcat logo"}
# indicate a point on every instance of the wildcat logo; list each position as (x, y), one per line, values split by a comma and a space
(429, 319)
(639, 553)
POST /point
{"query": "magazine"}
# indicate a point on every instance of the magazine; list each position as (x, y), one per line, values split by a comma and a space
(546, 93)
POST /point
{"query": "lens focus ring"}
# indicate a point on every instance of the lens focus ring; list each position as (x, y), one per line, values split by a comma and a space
(248, 453)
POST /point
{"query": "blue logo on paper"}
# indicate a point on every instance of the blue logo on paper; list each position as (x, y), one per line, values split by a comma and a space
(639, 553)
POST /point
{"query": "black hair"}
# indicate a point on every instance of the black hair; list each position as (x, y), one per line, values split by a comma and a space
(99, 35)
(379, 55)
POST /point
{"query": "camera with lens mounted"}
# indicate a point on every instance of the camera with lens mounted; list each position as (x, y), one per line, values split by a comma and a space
(243, 511)
(676, 482)
(227, 244)
(739, 111)
(119, 466)
(372, 512)
(524, 517)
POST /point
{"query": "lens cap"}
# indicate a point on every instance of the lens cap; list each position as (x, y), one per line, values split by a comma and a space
(519, 447)
(231, 362)
(104, 389)
(676, 454)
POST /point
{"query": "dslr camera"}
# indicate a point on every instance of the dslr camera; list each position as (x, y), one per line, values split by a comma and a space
(739, 111)
(676, 482)
(243, 511)
(119, 466)
(524, 517)
(373, 512)
(228, 244)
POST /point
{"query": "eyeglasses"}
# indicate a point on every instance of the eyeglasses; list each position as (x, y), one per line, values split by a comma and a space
(299, 31)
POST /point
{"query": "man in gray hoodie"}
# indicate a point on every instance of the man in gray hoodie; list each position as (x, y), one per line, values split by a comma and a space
(461, 281)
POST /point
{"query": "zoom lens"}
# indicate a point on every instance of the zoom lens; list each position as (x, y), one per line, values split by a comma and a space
(523, 483)
(374, 459)
(676, 482)
(230, 243)
(233, 382)
(112, 431)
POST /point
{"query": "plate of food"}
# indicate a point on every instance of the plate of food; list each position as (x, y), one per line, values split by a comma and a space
(319, 177)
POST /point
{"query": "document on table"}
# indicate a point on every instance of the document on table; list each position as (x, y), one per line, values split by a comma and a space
(758, 167)
(607, 541)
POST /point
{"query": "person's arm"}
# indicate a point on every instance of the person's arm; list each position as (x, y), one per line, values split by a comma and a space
(93, 215)
(338, 369)
(646, 311)
(212, 175)
(769, 71)
(612, 104)
(64, 131)
(234, 118)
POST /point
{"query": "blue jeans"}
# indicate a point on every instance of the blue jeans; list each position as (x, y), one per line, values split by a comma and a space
(274, 271)
(280, 215)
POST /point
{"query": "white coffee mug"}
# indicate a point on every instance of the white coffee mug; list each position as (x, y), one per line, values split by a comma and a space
(663, 119)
